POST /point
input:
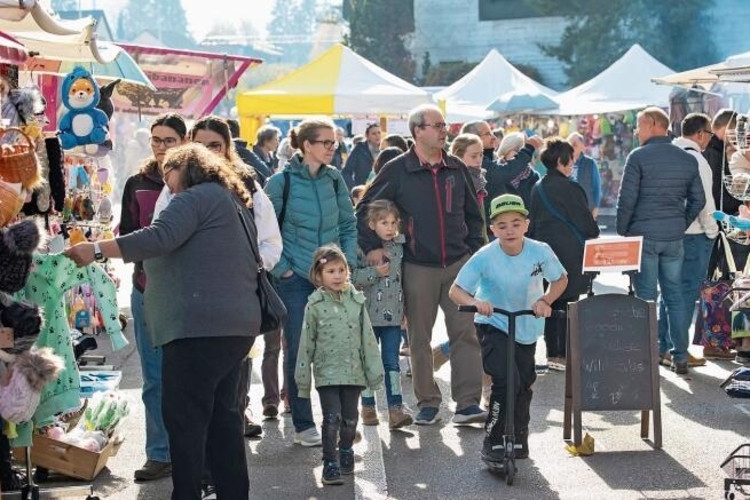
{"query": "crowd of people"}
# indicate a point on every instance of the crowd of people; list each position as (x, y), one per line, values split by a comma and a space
(364, 247)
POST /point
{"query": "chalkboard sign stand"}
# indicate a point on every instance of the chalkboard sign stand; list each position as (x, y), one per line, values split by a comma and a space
(612, 362)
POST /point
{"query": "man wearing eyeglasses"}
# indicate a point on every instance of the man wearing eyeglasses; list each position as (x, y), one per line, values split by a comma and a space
(442, 221)
(359, 163)
(661, 194)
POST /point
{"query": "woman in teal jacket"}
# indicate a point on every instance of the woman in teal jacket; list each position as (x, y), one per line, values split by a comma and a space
(316, 210)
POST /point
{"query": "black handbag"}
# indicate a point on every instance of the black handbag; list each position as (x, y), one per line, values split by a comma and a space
(272, 310)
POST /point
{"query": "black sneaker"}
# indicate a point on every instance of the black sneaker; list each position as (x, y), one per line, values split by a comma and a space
(493, 452)
(346, 460)
(209, 492)
(252, 430)
(680, 367)
(522, 446)
(332, 473)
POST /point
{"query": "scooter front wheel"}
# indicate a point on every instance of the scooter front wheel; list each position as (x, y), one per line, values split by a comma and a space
(509, 466)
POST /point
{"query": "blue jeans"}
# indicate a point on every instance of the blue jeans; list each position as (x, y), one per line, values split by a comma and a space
(694, 266)
(294, 291)
(390, 339)
(157, 439)
(661, 264)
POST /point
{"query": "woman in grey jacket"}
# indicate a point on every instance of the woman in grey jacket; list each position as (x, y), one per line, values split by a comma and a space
(203, 311)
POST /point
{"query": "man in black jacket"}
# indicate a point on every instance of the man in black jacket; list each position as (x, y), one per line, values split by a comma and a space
(717, 157)
(247, 156)
(442, 220)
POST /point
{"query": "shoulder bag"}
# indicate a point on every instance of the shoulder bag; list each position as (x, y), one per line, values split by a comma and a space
(272, 309)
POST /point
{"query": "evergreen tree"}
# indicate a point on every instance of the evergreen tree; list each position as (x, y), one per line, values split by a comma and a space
(291, 28)
(377, 30)
(600, 32)
(165, 19)
(64, 5)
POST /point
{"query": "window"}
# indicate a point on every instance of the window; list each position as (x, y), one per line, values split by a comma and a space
(496, 10)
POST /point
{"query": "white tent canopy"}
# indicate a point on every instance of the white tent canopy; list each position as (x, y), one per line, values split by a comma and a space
(706, 76)
(623, 86)
(55, 38)
(468, 98)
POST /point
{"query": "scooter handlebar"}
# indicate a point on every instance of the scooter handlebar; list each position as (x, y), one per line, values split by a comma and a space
(473, 309)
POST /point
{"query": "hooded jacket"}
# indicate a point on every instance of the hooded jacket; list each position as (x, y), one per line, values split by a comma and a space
(337, 344)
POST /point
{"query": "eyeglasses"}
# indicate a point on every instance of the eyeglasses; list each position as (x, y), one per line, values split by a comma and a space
(168, 142)
(166, 172)
(327, 144)
(487, 134)
(437, 126)
(216, 147)
(710, 134)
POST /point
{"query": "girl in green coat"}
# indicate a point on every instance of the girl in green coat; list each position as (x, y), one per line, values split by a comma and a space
(339, 347)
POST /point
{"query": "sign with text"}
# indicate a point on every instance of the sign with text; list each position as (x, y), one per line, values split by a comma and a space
(612, 361)
(613, 254)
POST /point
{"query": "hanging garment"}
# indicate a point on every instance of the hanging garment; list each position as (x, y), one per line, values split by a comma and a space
(51, 276)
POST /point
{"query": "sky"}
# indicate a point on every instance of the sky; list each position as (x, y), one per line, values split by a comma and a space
(201, 14)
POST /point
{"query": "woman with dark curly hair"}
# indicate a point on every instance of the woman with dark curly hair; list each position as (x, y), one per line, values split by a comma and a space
(202, 310)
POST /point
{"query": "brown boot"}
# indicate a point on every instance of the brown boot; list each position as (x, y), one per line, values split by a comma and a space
(438, 358)
(399, 416)
(369, 415)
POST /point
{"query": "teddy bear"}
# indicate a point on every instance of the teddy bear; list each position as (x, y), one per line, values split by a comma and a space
(83, 123)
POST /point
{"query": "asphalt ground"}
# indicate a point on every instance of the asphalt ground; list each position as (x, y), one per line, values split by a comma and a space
(701, 427)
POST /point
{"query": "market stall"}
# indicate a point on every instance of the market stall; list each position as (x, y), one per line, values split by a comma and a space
(338, 82)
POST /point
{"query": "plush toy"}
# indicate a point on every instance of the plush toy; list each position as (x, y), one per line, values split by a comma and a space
(84, 123)
(26, 375)
(17, 243)
(24, 318)
(25, 107)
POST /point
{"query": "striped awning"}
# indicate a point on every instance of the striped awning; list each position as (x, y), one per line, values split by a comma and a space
(11, 50)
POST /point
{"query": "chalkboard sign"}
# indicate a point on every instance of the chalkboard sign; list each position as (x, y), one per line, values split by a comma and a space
(612, 358)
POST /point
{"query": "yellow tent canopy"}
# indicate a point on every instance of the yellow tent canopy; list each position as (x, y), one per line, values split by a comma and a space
(338, 82)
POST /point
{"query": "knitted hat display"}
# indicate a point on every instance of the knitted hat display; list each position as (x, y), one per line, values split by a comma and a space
(17, 244)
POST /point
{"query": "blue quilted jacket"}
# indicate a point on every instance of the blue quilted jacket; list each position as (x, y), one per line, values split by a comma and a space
(318, 212)
(661, 192)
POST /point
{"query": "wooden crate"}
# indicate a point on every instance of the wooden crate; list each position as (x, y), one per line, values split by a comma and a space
(67, 459)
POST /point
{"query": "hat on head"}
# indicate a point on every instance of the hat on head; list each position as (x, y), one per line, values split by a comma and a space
(507, 203)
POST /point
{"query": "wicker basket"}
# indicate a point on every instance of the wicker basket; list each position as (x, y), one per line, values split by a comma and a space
(18, 162)
(11, 202)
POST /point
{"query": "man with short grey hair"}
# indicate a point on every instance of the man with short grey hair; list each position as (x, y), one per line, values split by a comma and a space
(443, 227)
(660, 196)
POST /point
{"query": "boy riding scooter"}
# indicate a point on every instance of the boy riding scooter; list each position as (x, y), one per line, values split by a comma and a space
(509, 274)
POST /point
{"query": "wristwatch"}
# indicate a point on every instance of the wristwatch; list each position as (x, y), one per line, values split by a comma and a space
(98, 255)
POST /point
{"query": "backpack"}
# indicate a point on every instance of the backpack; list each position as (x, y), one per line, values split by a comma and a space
(285, 195)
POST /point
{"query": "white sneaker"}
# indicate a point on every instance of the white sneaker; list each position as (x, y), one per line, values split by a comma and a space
(309, 437)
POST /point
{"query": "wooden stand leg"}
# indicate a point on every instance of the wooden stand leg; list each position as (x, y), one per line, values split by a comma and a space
(644, 423)
(567, 408)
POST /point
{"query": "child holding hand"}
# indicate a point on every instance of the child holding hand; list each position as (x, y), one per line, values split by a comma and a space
(385, 303)
(339, 346)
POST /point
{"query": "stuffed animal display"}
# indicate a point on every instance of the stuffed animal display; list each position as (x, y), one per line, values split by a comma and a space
(24, 369)
(83, 123)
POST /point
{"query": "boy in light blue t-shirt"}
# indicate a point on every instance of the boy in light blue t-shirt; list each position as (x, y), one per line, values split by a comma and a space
(509, 273)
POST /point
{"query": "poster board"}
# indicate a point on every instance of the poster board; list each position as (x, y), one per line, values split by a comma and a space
(612, 360)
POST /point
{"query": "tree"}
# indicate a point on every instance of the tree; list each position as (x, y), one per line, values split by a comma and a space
(165, 19)
(64, 5)
(377, 31)
(291, 28)
(600, 32)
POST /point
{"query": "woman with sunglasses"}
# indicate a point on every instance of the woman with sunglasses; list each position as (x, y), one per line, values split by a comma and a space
(138, 201)
(317, 211)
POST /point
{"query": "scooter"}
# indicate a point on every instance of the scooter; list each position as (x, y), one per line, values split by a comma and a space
(508, 466)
